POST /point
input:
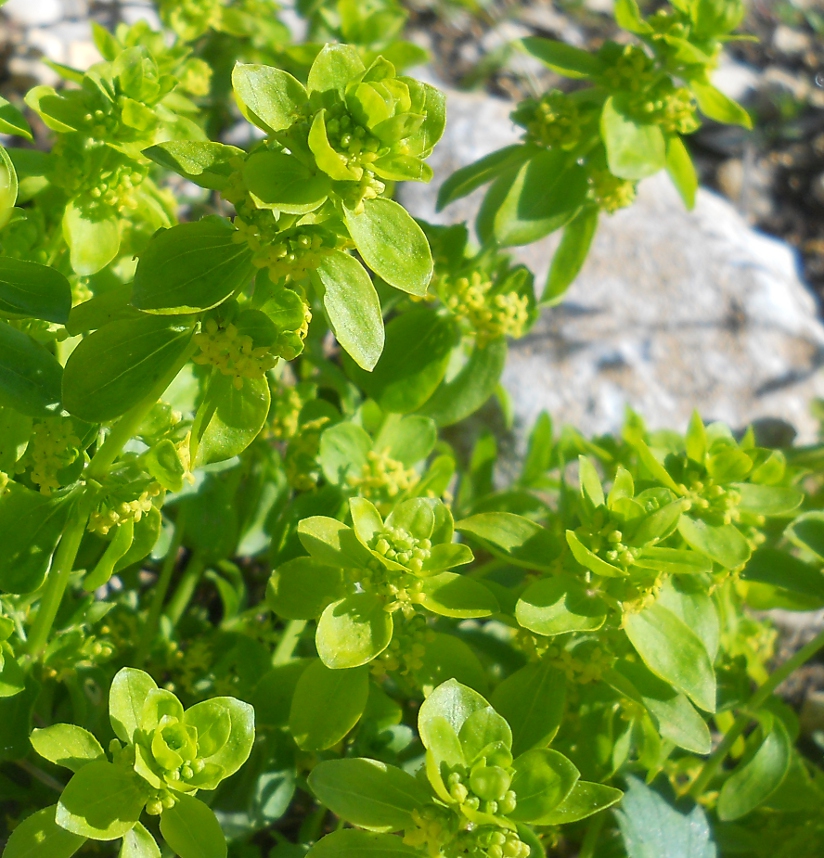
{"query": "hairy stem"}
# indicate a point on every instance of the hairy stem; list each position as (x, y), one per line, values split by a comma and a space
(57, 581)
(159, 596)
(753, 705)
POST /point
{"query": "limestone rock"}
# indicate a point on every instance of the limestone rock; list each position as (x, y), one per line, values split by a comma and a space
(674, 310)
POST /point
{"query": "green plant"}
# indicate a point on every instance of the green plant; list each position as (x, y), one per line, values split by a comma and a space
(230, 483)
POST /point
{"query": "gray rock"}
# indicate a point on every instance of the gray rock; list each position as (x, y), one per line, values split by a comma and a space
(674, 310)
(34, 13)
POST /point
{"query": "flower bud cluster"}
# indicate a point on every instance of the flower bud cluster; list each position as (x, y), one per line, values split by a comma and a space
(106, 517)
(555, 120)
(301, 465)
(353, 141)
(712, 502)
(399, 545)
(233, 353)
(288, 256)
(610, 192)
(382, 478)
(287, 403)
(400, 591)
(630, 68)
(53, 446)
(490, 314)
(671, 107)
(408, 646)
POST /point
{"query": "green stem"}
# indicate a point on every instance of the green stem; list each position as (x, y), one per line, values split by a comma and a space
(288, 642)
(130, 422)
(753, 705)
(592, 836)
(159, 596)
(57, 581)
(185, 589)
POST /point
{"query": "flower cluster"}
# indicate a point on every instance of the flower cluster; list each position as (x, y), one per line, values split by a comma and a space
(110, 515)
(233, 353)
(610, 192)
(489, 311)
(383, 478)
(53, 446)
(554, 120)
(407, 649)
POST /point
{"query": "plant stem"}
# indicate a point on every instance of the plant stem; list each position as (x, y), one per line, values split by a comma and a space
(593, 834)
(288, 642)
(130, 422)
(753, 705)
(185, 589)
(159, 596)
(57, 581)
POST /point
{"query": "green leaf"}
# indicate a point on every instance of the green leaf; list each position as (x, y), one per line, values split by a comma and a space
(392, 244)
(33, 290)
(191, 267)
(457, 398)
(352, 305)
(542, 780)
(191, 829)
(681, 170)
(110, 306)
(467, 179)
(451, 702)
(780, 569)
(513, 537)
(30, 376)
(39, 836)
(449, 594)
(268, 97)
(8, 187)
(757, 778)
(228, 419)
(673, 652)
(634, 150)
(31, 525)
(768, 500)
(571, 254)
(343, 452)
(807, 532)
(333, 543)
(93, 240)
(353, 631)
(205, 163)
(139, 843)
(414, 360)
(673, 561)
(539, 197)
(281, 182)
(446, 657)
(228, 751)
(102, 801)
(67, 745)
(12, 121)
(118, 366)
(327, 705)
(558, 605)
(368, 793)
(650, 827)
(562, 58)
(715, 105)
(628, 16)
(589, 560)
(690, 602)
(334, 68)
(300, 589)
(585, 800)
(127, 694)
(532, 701)
(349, 843)
(407, 439)
(724, 544)
(674, 716)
